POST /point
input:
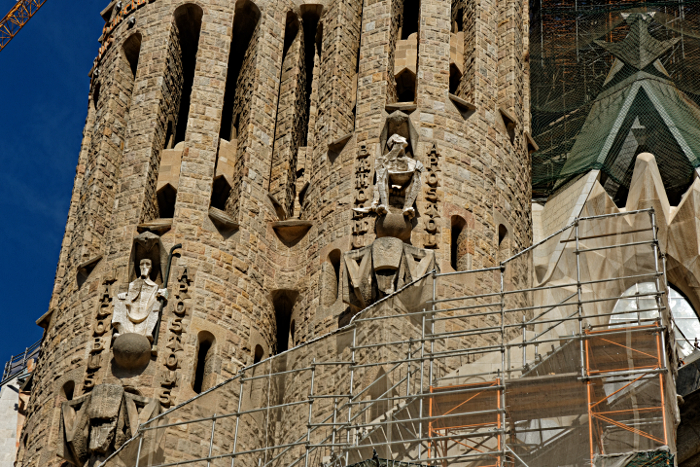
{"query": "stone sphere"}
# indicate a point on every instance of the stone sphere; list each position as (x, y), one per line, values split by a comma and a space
(132, 351)
(394, 225)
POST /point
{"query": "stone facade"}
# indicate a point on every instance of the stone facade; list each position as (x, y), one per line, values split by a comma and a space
(247, 132)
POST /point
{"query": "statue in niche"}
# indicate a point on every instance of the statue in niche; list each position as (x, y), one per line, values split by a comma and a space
(136, 311)
(396, 170)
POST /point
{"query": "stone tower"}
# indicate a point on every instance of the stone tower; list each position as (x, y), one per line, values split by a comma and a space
(252, 173)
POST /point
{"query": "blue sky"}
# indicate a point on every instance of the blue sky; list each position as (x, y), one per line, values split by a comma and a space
(43, 101)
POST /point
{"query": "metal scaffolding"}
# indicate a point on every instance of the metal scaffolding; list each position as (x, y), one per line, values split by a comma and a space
(459, 379)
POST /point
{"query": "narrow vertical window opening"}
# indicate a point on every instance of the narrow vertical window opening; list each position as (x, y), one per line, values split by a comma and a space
(409, 23)
(203, 370)
(406, 85)
(96, 95)
(458, 21)
(169, 135)
(457, 252)
(245, 21)
(310, 20)
(502, 234)
(188, 20)
(292, 332)
(283, 303)
(68, 390)
(166, 198)
(132, 51)
(258, 356)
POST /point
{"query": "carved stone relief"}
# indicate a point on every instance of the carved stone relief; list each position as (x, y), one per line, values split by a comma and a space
(363, 177)
(100, 332)
(96, 424)
(175, 335)
(381, 269)
(136, 311)
(432, 198)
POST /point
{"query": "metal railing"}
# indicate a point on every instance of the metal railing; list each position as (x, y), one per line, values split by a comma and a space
(18, 363)
(456, 378)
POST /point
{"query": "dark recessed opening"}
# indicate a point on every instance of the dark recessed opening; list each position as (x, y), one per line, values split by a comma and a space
(258, 354)
(409, 23)
(166, 201)
(203, 362)
(188, 20)
(132, 50)
(69, 390)
(96, 94)
(406, 85)
(245, 21)
(283, 302)
(458, 225)
(312, 35)
(502, 233)
(458, 21)
(220, 193)
(169, 136)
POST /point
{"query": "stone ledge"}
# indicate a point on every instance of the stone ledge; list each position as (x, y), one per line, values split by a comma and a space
(291, 231)
(222, 219)
(406, 107)
(461, 104)
(158, 226)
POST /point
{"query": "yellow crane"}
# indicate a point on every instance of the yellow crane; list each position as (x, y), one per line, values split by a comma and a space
(18, 16)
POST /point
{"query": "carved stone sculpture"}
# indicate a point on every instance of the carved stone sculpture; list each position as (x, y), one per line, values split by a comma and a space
(136, 311)
(398, 171)
(96, 424)
(381, 269)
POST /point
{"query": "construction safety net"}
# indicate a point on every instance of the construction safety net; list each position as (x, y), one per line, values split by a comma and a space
(609, 80)
(465, 368)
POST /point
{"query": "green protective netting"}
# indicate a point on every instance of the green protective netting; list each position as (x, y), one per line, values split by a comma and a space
(610, 80)
(652, 459)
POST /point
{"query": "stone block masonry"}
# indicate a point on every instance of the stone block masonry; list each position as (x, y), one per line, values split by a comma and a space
(290, 110)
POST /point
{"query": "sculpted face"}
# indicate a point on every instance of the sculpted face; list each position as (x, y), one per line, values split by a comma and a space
(145, 267)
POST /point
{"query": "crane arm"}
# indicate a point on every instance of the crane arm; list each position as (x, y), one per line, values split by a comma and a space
(17, 18)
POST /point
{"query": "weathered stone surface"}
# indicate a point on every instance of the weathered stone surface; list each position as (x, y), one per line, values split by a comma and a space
(172, 108)
(132, 351)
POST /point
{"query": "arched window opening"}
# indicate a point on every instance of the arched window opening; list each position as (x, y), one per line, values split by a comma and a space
(637, 305)
(132, 50)
(220, 193)
(310, 16)
(203, 370)
(458, 247)
(406, 85)
(292, 333)
(188, 20)
(245, 21)
(258, 356)
(409, 18)
(166, 197)
(96, 94)
(455, 78)
(687, 328)
(283, 303)
(68, 390)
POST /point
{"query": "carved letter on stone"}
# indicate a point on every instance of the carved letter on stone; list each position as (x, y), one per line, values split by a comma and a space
(136, 311)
